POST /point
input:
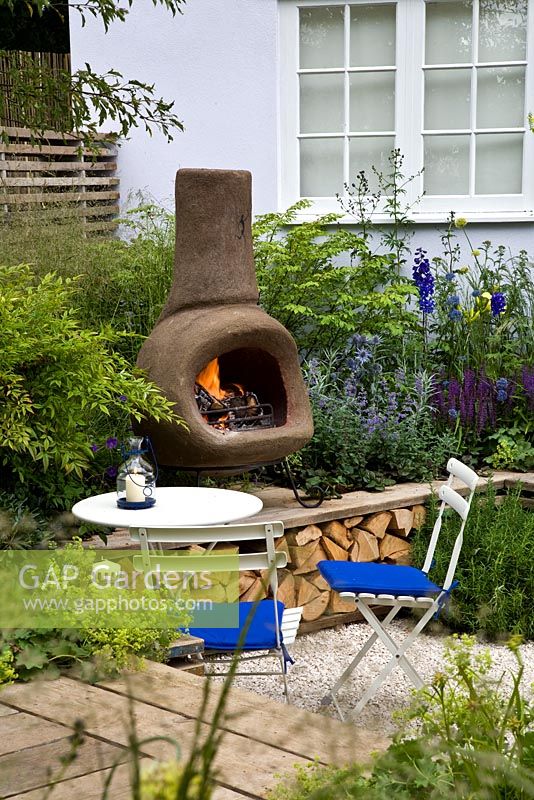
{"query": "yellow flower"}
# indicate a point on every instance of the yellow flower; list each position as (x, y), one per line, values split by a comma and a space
(461, 222)
(476, 253)
(462, 270)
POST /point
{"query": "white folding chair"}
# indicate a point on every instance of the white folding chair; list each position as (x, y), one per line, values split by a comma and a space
(260, 631)
(398, 586)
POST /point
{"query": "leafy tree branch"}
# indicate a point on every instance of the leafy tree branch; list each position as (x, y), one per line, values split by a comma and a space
(47, 97)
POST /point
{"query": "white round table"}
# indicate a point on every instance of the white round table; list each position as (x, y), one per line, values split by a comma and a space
(175, 506)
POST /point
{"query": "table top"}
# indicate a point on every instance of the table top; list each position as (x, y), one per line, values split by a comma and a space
(175, 506)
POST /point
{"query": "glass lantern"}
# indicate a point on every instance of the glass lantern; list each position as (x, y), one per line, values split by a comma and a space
(136, 478)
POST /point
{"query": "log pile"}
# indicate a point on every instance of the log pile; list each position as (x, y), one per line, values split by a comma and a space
(381, 537)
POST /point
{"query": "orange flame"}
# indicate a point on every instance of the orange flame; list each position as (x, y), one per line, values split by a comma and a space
(210, 380)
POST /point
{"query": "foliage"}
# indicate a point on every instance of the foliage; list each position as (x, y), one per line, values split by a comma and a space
(94, 98)
(467, 735)
(7, 671)
(120, 282)
(370, 429)
(323, 282)
(92, 645)
(495, 572)
(21, 528)
(484, 307)
(92, 653)
(60, 384)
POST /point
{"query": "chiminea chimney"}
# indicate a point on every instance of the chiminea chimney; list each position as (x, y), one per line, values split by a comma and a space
(212, 313)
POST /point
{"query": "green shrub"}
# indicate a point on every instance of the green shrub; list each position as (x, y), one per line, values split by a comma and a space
(62, 387)
(119, 282)
(495, 571)
(466, 735)
(323, 282)
(91, 640)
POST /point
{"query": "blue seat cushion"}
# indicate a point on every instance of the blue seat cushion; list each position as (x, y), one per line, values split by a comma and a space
(345, 576)
(261, 634)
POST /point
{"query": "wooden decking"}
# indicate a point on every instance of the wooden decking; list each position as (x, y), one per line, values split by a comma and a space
(262, 739)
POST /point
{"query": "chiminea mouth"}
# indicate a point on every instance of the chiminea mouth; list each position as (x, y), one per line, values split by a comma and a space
(241, 390)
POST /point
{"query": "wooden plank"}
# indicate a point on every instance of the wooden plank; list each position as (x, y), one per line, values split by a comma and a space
(241, 763)
(88, 787)
(222, 793)
(293, 729)
(185, 646)
(59, 166)
(362, 502)
(32, 768)
(5, 711)
(77, 181)
(25, 133)
(58, 197)
(18, 731)
(27, 148)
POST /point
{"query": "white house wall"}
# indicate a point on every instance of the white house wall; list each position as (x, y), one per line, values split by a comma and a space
(219, 62)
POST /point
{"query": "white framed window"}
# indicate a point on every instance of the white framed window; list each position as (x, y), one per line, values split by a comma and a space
(448, 82)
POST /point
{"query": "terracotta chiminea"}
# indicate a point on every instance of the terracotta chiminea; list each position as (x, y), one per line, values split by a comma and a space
(212, 313)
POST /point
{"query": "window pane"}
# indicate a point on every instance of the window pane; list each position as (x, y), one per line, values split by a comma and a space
(321, 103)
(368, 151)
(446, 164)
(501, 97)
(322, 37)
(372, 101)
(321, 167)
(372, 36)
(447, 99)
(503, 30)
(448, 32)
(499, 163)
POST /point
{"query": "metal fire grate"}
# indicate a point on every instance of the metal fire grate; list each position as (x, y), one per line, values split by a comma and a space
(241, 418)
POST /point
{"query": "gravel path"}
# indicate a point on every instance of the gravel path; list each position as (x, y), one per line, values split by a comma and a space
(320, 658)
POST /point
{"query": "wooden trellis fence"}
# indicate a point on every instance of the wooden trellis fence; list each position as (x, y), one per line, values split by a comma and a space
(58, 177)
(52, 176)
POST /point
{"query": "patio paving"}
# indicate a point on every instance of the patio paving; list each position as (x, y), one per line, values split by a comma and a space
(262, 738)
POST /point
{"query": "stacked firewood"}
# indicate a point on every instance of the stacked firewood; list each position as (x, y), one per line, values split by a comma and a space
(382, 537)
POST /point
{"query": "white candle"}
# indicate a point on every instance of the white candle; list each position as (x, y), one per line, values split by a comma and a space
(135, 484)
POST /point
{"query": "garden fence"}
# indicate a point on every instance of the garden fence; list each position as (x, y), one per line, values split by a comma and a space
(55, 176)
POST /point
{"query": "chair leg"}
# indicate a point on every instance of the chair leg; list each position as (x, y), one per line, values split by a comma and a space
(331, 697)
(284, 676)
(397, 651)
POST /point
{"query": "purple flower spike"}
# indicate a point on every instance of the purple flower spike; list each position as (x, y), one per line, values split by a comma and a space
(94, 448)
(424, 280)
(123, 398)
(111, 443)
(454, 314)
(498, 303)
(111, 472)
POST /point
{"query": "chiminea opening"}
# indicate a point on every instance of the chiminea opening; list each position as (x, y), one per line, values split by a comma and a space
(241, 390)
(212, 320)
